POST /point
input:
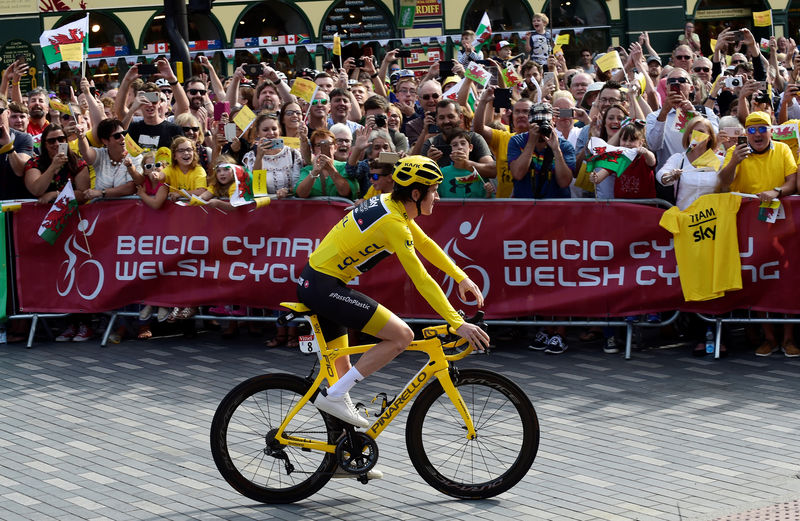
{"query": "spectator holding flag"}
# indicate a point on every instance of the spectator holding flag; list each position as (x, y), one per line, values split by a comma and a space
(459, 181)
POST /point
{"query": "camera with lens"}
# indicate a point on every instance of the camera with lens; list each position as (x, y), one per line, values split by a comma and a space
(732, 82)
(542, 115)
(380, 120)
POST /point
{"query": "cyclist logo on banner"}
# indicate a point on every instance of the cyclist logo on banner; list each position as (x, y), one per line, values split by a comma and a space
(467, 231)
(86, 276)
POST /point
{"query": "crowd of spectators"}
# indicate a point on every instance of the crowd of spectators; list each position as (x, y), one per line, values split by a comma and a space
(521, 138)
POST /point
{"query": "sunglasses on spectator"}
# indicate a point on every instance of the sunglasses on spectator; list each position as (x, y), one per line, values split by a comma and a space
(118, 135)
(292, 112)
(191, 129)
(759, 130)
(683, 57)
(736, 62)
(166, 91)
(195, 92)
(676, 81)
(702, 69)
(150, 166)
(375, 177)
(319, 102)
(429, 96)
(63, 116)
(57, 139)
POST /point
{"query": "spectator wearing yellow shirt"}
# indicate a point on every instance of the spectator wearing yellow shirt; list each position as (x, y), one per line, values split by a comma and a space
(498, 139)
(766, 168)
(762, 166)
(184, 172)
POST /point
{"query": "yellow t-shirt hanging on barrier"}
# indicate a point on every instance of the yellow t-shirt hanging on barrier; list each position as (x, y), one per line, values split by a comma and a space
(706, 246)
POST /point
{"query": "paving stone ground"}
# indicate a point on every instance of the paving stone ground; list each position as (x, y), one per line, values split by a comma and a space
(121, 433)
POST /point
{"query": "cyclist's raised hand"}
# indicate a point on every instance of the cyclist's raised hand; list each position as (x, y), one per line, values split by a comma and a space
(473, 334)
(467, 285)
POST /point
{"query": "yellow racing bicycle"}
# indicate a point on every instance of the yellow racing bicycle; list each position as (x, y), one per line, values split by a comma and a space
(470, 433)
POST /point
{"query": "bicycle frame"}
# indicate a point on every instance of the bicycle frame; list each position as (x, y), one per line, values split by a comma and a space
(437, 366)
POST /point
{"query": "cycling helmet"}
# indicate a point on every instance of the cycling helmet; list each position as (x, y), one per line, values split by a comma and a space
(417, 169)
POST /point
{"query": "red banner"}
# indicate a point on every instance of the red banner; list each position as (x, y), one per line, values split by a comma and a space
(563, 258)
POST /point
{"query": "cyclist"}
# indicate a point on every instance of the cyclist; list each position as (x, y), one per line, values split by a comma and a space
(372, 231)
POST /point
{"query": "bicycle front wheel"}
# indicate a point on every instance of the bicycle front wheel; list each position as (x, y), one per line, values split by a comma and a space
(497, 459)
(244, 449)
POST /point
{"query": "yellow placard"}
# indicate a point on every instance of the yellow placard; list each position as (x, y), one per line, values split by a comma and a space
(557, 49)
(61, 107)
(762, 18)
(713, 43)
(707, 159)
(608, 61)
(179, 71)
(698, 136)
(292, 142)
(132, 147)
(71, 52)
(262, 201)
(562, 39)
(303, 88)
(259, 183)
(244, 117)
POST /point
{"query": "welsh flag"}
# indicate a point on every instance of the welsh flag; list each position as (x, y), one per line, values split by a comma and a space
(484, 31)
(785, 132)
(469, 179)
(243, 194)
(56, 219)
(682, 118)
(511, 76)
(69, 42)
(603, 155)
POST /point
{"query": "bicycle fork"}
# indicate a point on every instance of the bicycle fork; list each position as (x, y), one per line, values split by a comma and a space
(446, 380)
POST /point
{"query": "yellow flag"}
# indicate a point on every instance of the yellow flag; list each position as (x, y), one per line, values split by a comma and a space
(697, 138)
(133, 148)
(291, 142)
(11, 207)
(713, 43)
(708, 160)
(244, 118)
(259, 182)
(196, 201)
(262, 201)
(61, 107)
(562, 39)
(337, 44)
(71, 52)
(8, 147)
(303, 88)
(557, 49)
(608, 61)
(179, 71)
(762, 18)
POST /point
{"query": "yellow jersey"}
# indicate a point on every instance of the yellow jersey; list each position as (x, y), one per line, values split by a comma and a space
(706, 245)
(372, 231)
(191, 180)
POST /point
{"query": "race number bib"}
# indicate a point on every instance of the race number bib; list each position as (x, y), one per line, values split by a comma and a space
(308, 344)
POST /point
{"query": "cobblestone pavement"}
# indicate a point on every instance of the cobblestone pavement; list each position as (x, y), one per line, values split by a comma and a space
(122, 433)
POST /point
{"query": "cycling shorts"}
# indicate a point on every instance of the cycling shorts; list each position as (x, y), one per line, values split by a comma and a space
(339, 306)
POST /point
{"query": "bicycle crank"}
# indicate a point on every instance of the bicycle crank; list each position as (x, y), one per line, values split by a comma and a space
(356, 453)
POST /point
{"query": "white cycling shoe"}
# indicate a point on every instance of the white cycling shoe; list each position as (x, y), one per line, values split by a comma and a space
(372, 473)
(341, 408)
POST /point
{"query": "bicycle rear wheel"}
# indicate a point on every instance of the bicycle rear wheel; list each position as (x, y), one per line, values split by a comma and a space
(497, 459)
(245, 452)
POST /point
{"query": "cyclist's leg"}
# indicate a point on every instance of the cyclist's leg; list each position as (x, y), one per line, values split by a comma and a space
(395, 337)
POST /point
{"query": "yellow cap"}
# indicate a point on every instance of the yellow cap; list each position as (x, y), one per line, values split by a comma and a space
(757, 118)
(451, 79)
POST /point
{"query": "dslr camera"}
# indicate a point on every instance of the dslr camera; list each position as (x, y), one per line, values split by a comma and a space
(542, 115)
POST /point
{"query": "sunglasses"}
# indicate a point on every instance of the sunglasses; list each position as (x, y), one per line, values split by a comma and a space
(150, 166)
(58, 139)
(191, 129)
(319, 102)
(63, 116)
(676, 81)
(702, 69)
(683, 57)
(292, 113)
(118, 135)
(429, 96)
(166, 91)
(375, 177)
(735, 62)
(195, 92)
(757, 130)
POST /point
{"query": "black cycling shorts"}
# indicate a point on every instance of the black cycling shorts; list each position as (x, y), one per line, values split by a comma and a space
(338, 306)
